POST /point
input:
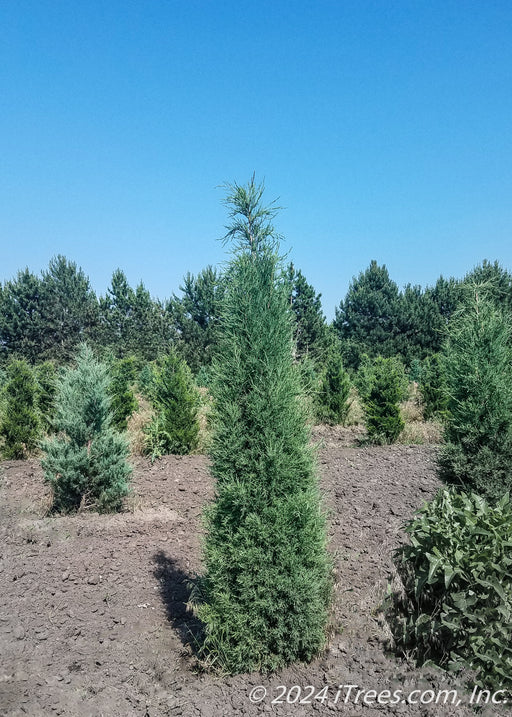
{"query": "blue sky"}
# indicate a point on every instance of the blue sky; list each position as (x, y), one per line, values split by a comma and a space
(384, 127)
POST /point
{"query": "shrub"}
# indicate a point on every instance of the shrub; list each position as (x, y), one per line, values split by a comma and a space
(265, 593)
(433, 390)
(86, 463)
(175, 427)
(123, 401)
(457, 575)
(46, 376)
(477, 363)
(383, 419)
(20, 426)
(333, 403)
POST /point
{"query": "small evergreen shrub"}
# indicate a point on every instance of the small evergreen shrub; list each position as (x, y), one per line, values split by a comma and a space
(86, 462)
(123, 401)
(383, 419)
(20, 426)
(477, 364)
(457, 575)
(434, 397)
(46, 376)
(333, 404)
(175, 427)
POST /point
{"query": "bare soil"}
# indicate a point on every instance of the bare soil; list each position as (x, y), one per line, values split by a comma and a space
(93, 617)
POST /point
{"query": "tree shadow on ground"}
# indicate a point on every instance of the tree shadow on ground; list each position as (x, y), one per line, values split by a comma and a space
(175, 586)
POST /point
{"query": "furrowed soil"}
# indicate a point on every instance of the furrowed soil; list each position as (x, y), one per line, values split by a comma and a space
(93, 617)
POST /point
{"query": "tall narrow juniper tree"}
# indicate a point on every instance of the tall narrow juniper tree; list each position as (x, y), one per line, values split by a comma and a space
(265, 594)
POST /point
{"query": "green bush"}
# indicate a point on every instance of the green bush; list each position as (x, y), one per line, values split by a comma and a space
(175, 427)
(457, 574)
(20, 426)
(264, 597)
(123, 402)
(477, 364)
(383, 419)
(333, 403)
(46, 376)
(433, 389)
(86, 462)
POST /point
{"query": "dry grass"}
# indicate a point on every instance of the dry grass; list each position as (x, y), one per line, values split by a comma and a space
(203, 415)
(136, 424)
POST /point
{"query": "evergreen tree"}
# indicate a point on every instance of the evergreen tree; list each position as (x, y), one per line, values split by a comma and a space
(175, 427)
(70, 310)
(22, 321)
(368, 320)
(494, 281)
(20, 426)
(477, 363)
(333, 400)
(265, 592)
(86, 463)
(123, 401)
(420, 327)
(195, 316)
(311, 334)
(132, 323)
(46, 376)
(433, 388)
(384, 422)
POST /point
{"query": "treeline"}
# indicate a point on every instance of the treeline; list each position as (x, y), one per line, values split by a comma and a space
(46, 317)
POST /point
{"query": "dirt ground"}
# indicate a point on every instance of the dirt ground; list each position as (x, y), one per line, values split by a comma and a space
(92, 608)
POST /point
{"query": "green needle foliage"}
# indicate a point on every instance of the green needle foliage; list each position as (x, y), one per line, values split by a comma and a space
(265, 594)
(333, 400)
(86, 463)
(457, 575)
(175, 427)
(123, 401)
(384, 421)
(20, 426)
(477, 363)
(433, 388)
(46, 378)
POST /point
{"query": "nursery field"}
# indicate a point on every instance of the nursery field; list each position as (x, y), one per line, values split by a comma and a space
(92, 607)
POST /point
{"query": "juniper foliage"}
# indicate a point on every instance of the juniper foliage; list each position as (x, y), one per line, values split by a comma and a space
(265, 594)
(175, 427)
(334, 396)
(86, 462)
(20, 426)
(477, 363)
(384, 421)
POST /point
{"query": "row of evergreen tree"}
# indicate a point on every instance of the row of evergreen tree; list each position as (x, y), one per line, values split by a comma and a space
(46, 317)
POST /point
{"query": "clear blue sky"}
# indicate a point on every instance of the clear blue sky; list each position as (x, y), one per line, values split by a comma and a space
(385, 128)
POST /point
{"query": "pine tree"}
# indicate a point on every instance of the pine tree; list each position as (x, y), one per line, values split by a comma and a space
(86, 463)
(22, 322)
(175, 427)
(368, 320)
(195, 316)
(384, 422)
(265, 594)
(310, 331)
(20, 425)
(477, 364)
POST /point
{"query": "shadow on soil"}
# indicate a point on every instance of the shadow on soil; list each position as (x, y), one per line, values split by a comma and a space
(175, 588)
